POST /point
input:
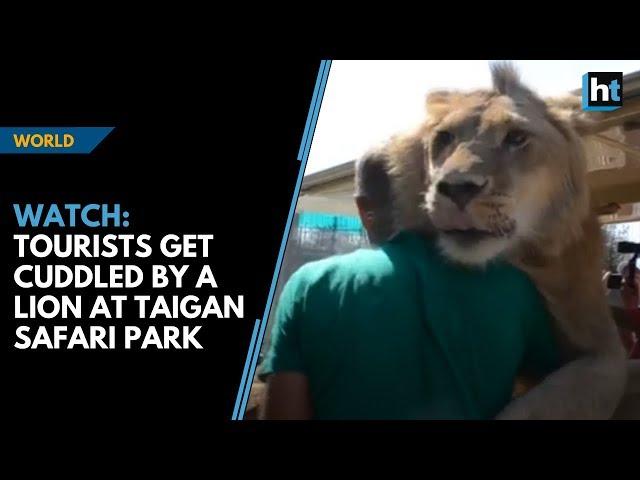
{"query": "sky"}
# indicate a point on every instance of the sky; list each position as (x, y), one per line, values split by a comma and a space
(367, 101)
(633, 235)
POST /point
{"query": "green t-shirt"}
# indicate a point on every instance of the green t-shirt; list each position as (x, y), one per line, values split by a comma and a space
(400, 332)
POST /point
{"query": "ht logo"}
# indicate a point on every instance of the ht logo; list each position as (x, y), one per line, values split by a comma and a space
(602, 91)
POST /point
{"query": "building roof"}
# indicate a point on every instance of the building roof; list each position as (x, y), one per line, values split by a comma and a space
(337, 172)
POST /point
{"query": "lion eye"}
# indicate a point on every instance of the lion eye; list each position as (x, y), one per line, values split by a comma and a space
(515, 138)
(442, 140)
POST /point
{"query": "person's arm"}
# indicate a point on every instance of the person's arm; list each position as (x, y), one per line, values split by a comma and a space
(630, 298)
(287, 397)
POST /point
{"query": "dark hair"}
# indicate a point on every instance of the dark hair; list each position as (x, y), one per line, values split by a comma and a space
(372, 180)
(373, 183)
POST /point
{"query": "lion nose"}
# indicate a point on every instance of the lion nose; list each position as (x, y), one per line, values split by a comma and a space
(460, 193)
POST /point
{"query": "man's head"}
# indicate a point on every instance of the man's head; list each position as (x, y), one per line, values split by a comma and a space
(500, 164)
(373, 196)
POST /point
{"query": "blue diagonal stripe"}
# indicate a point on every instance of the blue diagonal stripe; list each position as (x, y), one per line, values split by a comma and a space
(314, 122)
(303, 143)
(252, 355)
(246, 368)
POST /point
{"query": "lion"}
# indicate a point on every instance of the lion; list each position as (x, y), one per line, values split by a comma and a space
(502, 173)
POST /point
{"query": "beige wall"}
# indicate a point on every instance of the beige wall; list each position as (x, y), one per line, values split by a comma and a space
(342, 187)
(335, 196)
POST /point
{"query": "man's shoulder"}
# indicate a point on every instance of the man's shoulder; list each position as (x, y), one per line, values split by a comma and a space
(514, 290)
(362, 263)
(385, 267)
(516, 280)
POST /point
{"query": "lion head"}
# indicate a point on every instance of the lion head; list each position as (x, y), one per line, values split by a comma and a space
(494, 168)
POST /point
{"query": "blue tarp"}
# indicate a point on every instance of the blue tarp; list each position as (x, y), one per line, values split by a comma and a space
(319, 221)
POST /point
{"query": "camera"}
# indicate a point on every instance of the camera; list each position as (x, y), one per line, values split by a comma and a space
(629, 247)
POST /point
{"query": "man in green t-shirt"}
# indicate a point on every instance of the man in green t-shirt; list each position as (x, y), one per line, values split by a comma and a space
(400, 332)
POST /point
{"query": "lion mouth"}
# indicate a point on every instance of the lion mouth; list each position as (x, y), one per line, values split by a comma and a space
(468, 236)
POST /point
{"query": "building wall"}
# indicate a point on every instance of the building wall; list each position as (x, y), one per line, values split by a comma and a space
(342, 186)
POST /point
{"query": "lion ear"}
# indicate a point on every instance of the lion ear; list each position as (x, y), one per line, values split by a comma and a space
(505, 77)
(569, 110)
(506, 81)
